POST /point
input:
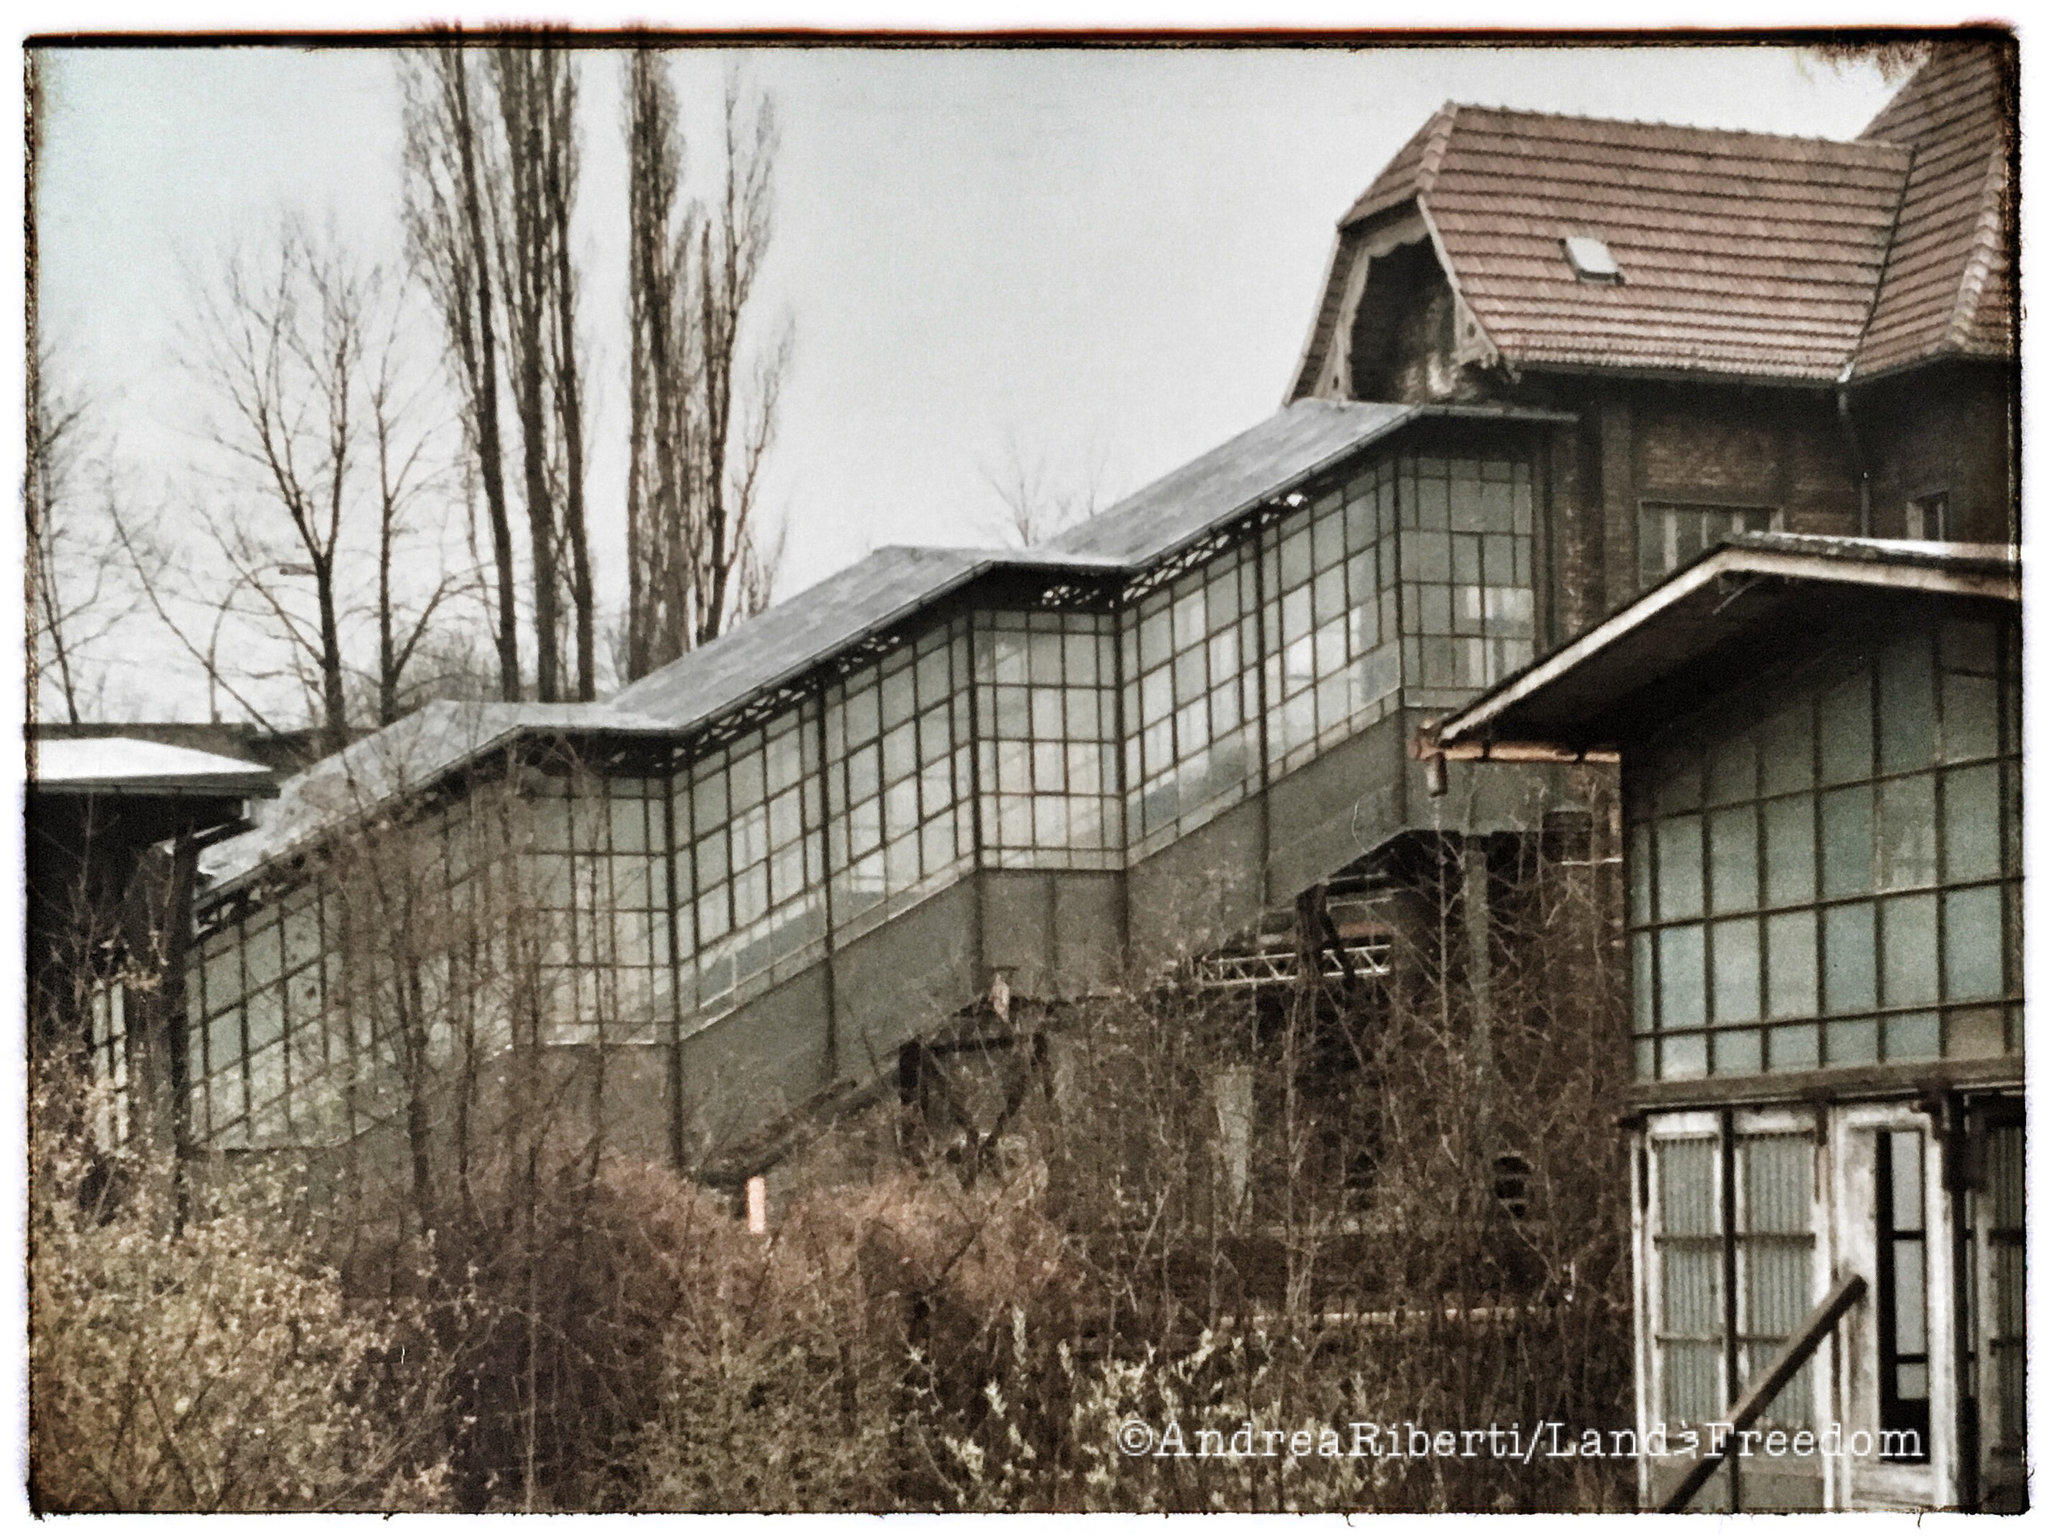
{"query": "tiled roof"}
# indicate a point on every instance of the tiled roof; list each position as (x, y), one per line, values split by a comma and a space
(1742, 254)
(1948, 285)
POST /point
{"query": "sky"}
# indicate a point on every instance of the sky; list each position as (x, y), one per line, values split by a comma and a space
(1100, 262)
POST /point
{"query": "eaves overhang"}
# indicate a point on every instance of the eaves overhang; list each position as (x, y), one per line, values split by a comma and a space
(1741, 607)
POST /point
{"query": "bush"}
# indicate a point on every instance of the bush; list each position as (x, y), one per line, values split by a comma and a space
(208, 1366)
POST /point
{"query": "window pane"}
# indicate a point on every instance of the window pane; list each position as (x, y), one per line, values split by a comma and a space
(1845, 731)
(1731, 771)
(1849, 957)
(1788, 750)
(1731, 839)
(1794, 991)
(1912, 1036)
(1970, 817)
(1736, 970)
(1905, 702)
(1905, 815)
(1972, 944)
(1643, 979)
(1969, 717)
(1852, 1042)
(1681, 975)
(1788, 850)
(1909, 951)
(1845, 841)
(1678, 867)
(1738, 1052)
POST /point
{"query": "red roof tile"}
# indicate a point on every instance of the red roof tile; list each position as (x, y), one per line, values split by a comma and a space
(1745, 254)
(1948, 285)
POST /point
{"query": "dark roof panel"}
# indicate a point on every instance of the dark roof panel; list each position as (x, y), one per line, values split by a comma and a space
(796, 634)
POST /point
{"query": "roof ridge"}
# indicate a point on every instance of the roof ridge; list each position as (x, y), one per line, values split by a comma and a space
(1977, 267)
(1441, 124)
(1884, 270)
(1665, 123)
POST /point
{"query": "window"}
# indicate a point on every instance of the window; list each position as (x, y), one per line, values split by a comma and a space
(1689, 1303)
(898, 773)
(1833, 884)
(1672, 534)
(756, 857)
(597, 872)
(1191, 696)
(1765, 1181)
(1902, 1405)
(1046, 702)
(1591, 260)
(1927, 517)
(1468, 590)
(1774, 1269)
(107, 1049)
(2003, 1203)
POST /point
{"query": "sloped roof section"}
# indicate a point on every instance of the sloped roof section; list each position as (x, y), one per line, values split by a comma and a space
(404, 757)
(1268, 460)
(1947, 287)
(1744, 254)
(1257, 464)
(793, 636)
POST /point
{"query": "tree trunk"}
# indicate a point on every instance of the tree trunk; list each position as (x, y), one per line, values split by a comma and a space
(484, 377)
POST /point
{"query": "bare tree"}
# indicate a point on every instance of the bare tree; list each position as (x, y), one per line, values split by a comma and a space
(1039, 501)
(72, 601)
(445, 183)
(703, 400)
(283, 351)
(325, 450)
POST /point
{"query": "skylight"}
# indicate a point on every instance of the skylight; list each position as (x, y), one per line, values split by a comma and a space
(1591, 261)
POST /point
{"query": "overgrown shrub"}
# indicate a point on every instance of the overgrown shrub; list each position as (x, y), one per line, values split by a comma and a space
(210, 1365)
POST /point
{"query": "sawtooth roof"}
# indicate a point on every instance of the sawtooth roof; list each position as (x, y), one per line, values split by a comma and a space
(1750, 255)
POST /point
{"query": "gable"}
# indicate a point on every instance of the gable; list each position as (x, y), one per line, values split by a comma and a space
(1947, 287)
(1747, 256)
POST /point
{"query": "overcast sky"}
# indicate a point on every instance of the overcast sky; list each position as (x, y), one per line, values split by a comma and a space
(1107, 257)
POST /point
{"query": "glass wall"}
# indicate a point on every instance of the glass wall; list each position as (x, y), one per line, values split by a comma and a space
(1191, 700)
(1831, 879)
(898, 774)
(1468, 563)
(597, 869)
(1330, 618)
(1045, 701)
(582, 903)
(258, 1059)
